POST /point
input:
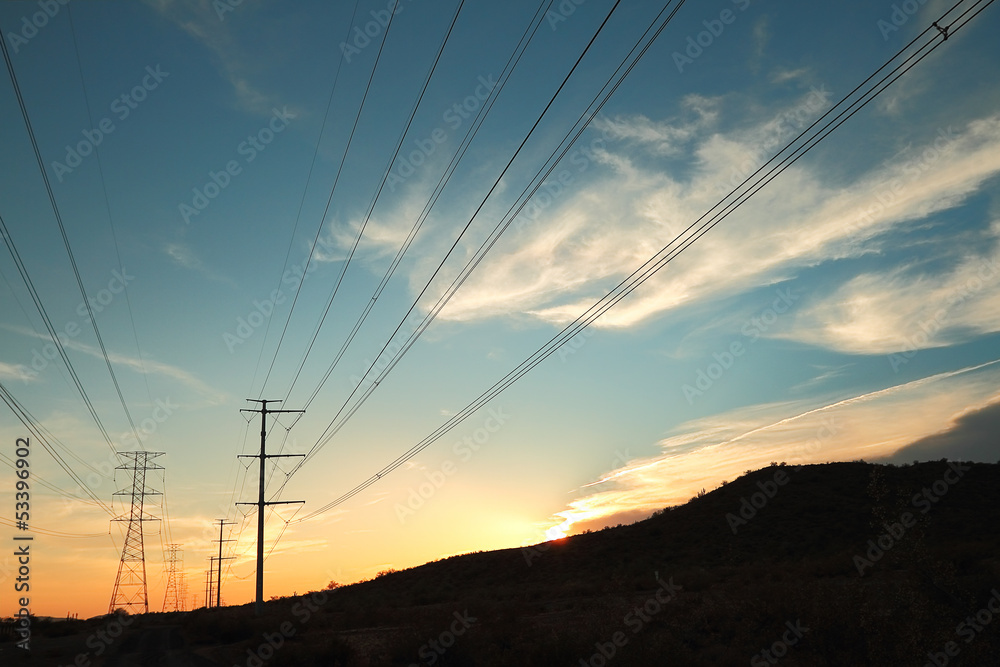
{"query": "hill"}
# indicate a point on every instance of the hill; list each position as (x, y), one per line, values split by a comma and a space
(834, 564)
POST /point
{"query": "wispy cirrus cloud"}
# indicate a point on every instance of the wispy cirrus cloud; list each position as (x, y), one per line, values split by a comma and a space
(201, 20)
(14, 372)
(183, 256)
(554, 268)
(703, 453)
(908, 308)
(209, 394)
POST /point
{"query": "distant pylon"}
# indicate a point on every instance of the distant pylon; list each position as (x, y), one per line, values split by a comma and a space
(218, 579)
(182, 589)
(130, 591)
(170, 600)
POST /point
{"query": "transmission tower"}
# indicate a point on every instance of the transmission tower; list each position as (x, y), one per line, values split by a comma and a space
(182, 589)
(130, 591)
(170, 600)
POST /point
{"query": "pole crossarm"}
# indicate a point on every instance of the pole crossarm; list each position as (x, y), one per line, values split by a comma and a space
(276, 502)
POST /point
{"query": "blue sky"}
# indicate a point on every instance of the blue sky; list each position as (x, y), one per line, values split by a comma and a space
(849, 309)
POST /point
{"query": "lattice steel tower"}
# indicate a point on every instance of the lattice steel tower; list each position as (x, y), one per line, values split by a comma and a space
(130, 591)
(182, 588)
(171, 601)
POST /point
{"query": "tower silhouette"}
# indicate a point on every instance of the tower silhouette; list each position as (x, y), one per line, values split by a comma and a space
(130, 593)
(171, 600)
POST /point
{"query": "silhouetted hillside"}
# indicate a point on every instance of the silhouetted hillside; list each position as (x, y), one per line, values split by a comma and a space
(835, 564)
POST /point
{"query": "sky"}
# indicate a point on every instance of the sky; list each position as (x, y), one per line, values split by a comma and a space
(238, 181)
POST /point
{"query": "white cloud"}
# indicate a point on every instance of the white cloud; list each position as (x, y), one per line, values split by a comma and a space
(201, 21)
(15, 372)
(560, 264)
(905, 309)
(704, 452)
(661, 137)
(183, 256)
(147, 365)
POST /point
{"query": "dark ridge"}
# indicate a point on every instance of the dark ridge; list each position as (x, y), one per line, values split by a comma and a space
(834, 564)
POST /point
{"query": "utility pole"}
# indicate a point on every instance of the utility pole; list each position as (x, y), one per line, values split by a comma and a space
(218, 580)
(208, 587)
(263, 456)
(130, 591)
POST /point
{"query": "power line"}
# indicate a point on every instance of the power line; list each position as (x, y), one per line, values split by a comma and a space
(49, 485)
(367, 217)
(107, 201)
(467, 140)
(305, 188)
(331, 429)
(374, 202)
(62, 231)
(49, 532)
(329, 201)
(39, 433)
(56, 340)
(500, 228)
(750, 186)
